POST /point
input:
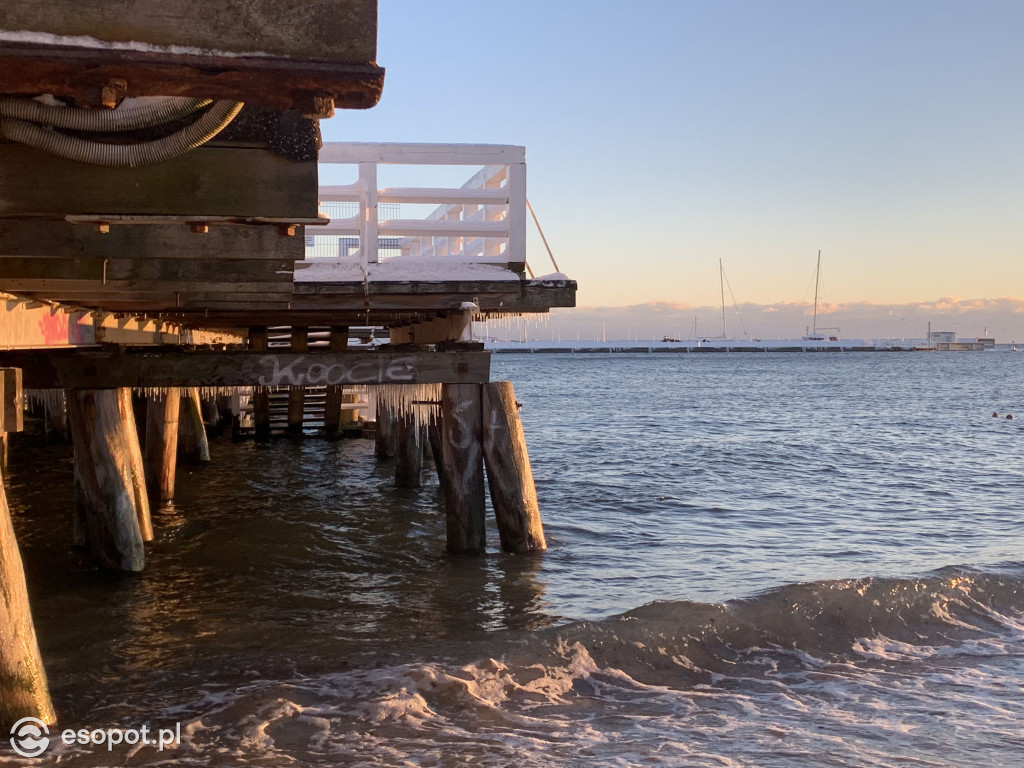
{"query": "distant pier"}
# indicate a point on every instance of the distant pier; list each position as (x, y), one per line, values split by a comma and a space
(712, 346)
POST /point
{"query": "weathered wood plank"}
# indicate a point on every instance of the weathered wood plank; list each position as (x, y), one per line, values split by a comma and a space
(313, 87)
(49, 238)
(185, 274)
(348, 308)
(312, 29)
(88, 369)
(174, 305)
(229, 181)
(92, 290)
(440, 295)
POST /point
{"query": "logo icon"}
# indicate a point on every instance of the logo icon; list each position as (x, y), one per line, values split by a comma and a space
(30, 737)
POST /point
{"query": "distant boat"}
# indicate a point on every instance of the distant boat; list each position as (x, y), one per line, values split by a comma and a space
(814, 333)
(722, 280)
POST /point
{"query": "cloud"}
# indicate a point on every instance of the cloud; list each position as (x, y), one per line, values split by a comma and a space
(1001, 317)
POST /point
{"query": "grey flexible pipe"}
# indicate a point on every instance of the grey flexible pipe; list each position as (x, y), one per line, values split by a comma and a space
(123, 155)
(120, 119)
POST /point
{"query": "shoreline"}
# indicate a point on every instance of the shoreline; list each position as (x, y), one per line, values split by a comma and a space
(713, 346)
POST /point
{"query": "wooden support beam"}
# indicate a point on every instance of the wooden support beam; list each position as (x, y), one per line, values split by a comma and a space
(463, 461)
(99, 425)
(434, 438)
(297, 394)
(23, 688)
(332, 401)
(153, 367)
(13, 415)
(193, 445)
(408, 452)
(12, 401)
(18, 273)
(316, 29)
(151, 251)
(321, 52)
(442, 295)
(509, 475)
(161, 457)
(205, 181)
(313, 88)
(349, 304)
(384, 438)
(260, 395)
(136, 464)
(55, 424)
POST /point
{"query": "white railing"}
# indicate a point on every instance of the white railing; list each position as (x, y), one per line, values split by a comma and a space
(483, 221)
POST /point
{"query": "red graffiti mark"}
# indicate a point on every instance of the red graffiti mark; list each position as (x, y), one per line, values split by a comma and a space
(54, 328)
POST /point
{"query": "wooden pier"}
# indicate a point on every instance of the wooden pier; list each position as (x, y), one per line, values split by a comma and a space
(151, 278)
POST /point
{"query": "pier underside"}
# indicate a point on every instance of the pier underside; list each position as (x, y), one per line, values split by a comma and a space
(159, 274)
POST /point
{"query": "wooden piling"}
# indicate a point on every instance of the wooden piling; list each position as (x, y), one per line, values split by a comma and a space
(23, 688)
(55, 424)
(384, 437)
(513, 494)
(462, 450)
(297, 394)
(260, 395)
(193, 445)
(408, 452)
(98, 425)
(12, 407)
(136, 464)
(161, 457)
(436, 443)
(213, 417)
(80, 528)
(332, 402)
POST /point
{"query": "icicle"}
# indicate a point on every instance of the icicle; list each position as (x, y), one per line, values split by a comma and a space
(51, 399)
(421, 400)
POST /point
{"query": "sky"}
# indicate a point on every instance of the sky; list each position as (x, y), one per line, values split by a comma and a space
(664, 136)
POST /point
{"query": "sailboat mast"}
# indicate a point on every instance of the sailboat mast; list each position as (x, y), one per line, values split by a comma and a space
(721, 288)
(817, 281)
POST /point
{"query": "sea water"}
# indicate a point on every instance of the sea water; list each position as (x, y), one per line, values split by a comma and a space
(756, 559)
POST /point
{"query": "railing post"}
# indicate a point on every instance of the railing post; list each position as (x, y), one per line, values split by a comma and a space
(516, 251)
(368, 238)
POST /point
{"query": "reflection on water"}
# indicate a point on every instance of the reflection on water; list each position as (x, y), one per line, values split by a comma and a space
(297, 609)
(272, 561)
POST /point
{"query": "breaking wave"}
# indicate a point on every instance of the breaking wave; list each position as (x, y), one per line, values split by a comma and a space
(869, 671)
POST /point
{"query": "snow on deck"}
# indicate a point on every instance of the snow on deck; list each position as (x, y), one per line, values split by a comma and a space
(84, 41)
(400, 269)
